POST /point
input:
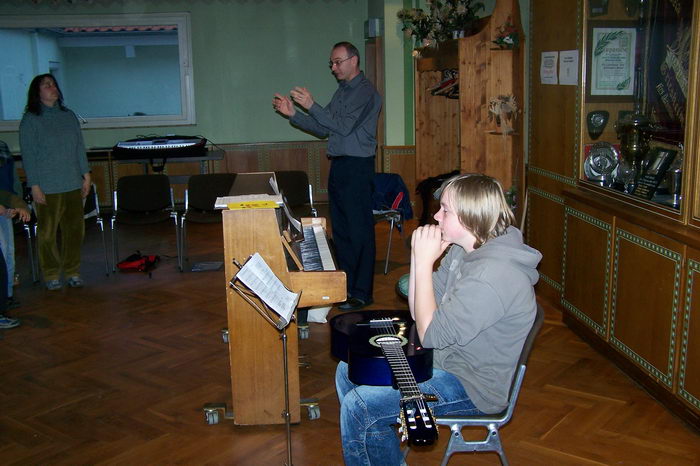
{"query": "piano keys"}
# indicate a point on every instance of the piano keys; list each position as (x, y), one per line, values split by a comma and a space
(315, 252)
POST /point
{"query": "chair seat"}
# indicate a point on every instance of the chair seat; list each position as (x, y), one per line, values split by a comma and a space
(142, 218)
(388, 215)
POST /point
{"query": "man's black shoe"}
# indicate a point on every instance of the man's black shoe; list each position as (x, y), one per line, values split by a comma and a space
(354, 304)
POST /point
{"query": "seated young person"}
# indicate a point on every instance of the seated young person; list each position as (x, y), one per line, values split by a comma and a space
(475, 311)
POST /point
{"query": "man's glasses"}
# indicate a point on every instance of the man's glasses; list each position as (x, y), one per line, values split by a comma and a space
(338, 62)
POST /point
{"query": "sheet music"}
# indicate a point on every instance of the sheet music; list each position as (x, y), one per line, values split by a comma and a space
(261, 280)
(273, 184)
(292, 221)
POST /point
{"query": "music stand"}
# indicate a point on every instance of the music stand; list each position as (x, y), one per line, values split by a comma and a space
(280, 324)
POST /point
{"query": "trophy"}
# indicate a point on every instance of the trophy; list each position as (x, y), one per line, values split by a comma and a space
(674, 182)
(596, 121)
(634, 132)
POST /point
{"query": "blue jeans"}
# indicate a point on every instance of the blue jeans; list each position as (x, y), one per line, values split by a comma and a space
(367, 415)
(7, 243)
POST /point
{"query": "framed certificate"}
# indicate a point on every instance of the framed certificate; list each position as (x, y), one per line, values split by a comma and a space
(610, 61)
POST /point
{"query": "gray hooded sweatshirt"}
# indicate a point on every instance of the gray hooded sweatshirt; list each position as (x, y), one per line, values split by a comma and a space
(486, 307)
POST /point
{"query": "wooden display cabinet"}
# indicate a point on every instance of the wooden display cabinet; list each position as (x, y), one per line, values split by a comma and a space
(630, 264)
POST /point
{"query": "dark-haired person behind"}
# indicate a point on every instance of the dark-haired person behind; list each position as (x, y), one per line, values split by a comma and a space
(54, 160)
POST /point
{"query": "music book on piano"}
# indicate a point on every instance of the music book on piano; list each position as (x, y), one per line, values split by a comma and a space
(252, 191)
(259, 278)
(249, 201)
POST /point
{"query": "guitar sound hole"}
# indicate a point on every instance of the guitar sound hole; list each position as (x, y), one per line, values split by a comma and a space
(387, 340)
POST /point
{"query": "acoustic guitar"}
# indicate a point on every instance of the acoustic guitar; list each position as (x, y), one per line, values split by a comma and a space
(382, 348)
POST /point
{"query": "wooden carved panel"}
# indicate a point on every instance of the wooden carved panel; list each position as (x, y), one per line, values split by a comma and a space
(689, 361)
(587, 263)
(645, 298)
(546, 209)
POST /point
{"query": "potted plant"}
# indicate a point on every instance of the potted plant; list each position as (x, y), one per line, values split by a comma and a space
(507, 35)
(417, 24)
(455, 18)
(447, 19)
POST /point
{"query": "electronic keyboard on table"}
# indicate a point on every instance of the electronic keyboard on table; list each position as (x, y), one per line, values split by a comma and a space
(160, 148)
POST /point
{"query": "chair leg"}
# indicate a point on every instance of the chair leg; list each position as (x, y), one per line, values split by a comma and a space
(388, 249)
(115, 246)
(183, 244)
(30, 252)
(457, 444)
(100, 223)
(176, 219)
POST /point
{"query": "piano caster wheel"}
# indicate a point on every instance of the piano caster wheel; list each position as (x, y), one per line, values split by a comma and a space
(314, 412)
(211, 417)
(213, 412)
(224, 335)
(312, 407)
(303, 333)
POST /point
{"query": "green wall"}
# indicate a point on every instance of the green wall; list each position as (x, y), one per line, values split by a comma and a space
(243, 51)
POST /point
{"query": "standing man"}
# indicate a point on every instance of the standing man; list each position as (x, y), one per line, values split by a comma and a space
(349, 122)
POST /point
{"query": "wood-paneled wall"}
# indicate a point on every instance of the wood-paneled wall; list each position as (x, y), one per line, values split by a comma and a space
(553, 158)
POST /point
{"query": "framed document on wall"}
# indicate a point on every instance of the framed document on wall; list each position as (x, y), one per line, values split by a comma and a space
(610, 61)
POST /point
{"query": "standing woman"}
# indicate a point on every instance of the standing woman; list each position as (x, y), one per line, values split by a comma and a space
(54, 160)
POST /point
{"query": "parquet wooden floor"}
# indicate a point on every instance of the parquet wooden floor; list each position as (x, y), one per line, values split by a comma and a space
(117, 373)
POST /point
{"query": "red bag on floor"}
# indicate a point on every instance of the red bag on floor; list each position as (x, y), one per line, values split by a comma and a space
(138, 263)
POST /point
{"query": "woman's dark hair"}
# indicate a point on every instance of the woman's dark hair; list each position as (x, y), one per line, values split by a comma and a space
(34, 94)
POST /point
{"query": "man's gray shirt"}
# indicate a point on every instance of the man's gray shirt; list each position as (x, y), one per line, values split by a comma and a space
(349, 120)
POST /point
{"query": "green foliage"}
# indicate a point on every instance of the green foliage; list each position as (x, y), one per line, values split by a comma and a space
(445, 17)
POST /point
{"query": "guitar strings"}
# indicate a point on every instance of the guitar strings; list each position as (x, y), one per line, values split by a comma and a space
(387, 328)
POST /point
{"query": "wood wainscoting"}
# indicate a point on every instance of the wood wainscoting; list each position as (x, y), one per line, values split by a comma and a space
(308, 156)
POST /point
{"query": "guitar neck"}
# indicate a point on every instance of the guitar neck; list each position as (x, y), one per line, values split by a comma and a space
(400, 368)
(417, 422)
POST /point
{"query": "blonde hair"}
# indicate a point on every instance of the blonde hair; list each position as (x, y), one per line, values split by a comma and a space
(480, 205)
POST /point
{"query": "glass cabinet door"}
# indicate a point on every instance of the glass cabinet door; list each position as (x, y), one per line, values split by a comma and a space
(636, 62)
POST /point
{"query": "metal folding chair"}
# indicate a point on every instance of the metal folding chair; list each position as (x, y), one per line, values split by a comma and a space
(492, 422)
(141, 200)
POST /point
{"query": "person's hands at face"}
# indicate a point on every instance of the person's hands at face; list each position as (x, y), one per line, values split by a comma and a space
(427, 245)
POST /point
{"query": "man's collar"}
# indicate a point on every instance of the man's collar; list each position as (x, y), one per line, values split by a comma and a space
(354, 82)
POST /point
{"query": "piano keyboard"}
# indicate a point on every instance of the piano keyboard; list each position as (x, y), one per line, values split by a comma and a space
(315, 252)
(158, 144)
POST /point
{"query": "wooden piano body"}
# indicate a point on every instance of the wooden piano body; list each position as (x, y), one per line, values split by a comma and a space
(255, 348)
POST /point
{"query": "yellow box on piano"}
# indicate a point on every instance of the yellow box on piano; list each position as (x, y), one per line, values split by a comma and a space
(252, 205)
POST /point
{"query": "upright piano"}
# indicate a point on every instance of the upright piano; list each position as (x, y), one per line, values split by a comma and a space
(255, 349)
